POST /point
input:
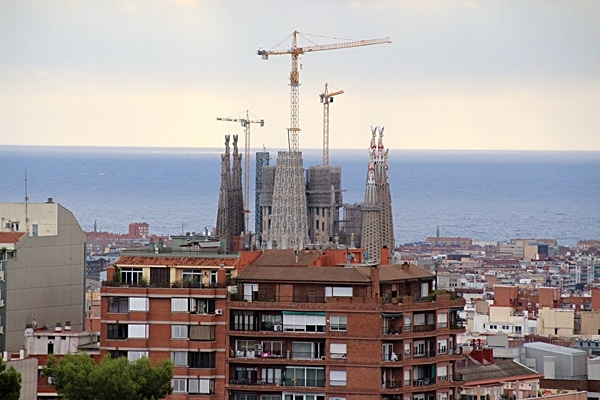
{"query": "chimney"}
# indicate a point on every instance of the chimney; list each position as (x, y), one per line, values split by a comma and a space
(50, 200)
(405, 267)
(384, 256)
(221, 275)
(67, 325)
(110, 273)
(58, 327)
(375, 281)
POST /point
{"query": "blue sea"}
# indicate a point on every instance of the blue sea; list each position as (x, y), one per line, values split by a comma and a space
(486, 195)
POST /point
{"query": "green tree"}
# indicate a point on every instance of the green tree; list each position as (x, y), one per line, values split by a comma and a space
(10, 382)
(78, 377)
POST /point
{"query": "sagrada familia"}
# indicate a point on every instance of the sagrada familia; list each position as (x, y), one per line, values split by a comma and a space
(326, 219)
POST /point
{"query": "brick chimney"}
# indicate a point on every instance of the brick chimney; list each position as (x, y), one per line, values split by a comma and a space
(384, 255)
(375, 281)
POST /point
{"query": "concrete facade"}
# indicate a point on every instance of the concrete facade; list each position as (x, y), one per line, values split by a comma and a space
(43, 269)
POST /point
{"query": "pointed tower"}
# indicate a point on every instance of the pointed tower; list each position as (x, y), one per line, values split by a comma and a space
(236, 199)
(371, 213)
(289, 221)
(223, 208)
(383, 192)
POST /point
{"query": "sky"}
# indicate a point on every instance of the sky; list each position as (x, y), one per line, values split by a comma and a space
(459, 74)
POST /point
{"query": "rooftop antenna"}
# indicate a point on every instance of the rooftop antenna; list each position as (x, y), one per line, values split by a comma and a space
(26, 200)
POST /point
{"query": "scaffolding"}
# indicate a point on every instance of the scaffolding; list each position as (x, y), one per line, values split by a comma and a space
(324, 200)
(262, 160)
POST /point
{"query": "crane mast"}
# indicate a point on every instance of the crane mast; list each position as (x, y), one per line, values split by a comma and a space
(295, 51)
(327, 98)
(245, 122)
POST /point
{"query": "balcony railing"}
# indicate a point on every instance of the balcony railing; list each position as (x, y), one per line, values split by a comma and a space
(304, 382)
(424, 328)
(427, 354)
(424, 381)
(392, 384)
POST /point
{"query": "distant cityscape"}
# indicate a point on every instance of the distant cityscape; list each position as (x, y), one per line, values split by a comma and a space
(312, 311)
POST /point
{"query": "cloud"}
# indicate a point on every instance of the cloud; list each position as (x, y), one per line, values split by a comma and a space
(42, 73)
(185, 3)
(416, 4)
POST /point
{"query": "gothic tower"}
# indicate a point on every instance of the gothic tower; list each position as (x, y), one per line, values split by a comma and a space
(383, 192)
(289, 220)
(377, 223)
(371, 216)
(236, 199)
(223, 208)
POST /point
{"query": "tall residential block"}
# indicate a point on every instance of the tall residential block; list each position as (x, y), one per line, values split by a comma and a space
(42, 258)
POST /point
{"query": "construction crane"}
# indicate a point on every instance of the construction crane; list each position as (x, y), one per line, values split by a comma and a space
(327, 98)
(245, 122)
(295, 51)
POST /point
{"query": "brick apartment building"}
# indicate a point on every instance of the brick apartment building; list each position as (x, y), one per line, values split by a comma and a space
(280, 325)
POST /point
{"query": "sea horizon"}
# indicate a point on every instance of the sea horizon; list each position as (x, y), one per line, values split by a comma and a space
(491, 195)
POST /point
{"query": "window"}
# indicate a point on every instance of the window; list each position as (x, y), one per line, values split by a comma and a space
(117, 353)
(337, 350)
(268, 322)
(305, 376)
(419, 348)
(250, 291)
(138, 331)
(336, 291)
(337, 378)
(131, 275)
(271, 375)
(201, 359)
(179, 331)
(193, 276)
(442, 346)
(202, 332)
(243, 321)
(138, 304)
(442, 373)
(245, 348)
(245, 396)
(117, 331)
(136, 355)
(179, 385)
(180, 358)
(270, 397)
(308, 350)
(201, 386)
(179, 304)
(338, 323)
(271, 349)
(303, 322)
(118, 305)
(202, 306)
(442, 320)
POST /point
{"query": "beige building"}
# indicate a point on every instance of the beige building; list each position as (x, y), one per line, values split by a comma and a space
(590, 322)
(556, 321)
(42, 256)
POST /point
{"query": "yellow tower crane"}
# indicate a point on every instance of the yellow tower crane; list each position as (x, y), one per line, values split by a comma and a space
(326, 98)
(295, 51)
(245, 122)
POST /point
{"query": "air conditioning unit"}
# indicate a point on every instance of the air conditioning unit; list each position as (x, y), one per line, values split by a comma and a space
(278, 328)
(2, 276)
(258, 347)
(218, 311)
(1, 303)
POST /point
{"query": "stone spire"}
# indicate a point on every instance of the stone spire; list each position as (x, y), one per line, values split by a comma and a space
(236, 199)
(377, 223)
(223, 208)
(383, 192)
